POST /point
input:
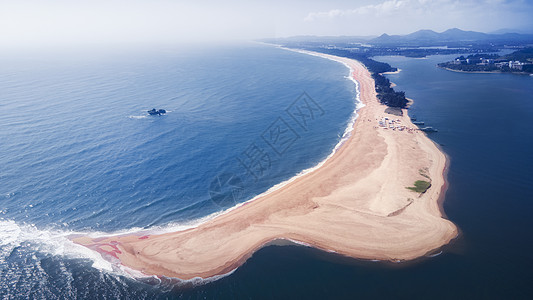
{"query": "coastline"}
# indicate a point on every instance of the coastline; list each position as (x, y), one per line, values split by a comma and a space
(398, 70)
(343, 205)
(484, 72)
(473, 72)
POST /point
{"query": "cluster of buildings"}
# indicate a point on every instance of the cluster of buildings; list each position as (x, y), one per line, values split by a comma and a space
(514, 65)
(468, 61)
(388, 123)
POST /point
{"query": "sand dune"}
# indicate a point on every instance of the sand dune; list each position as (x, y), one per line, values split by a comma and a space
(356, 204)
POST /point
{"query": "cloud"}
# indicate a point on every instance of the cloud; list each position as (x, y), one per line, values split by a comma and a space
(392, 7)
(384, 8)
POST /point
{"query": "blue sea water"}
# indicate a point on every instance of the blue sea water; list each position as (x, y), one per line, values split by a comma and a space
(79, 154)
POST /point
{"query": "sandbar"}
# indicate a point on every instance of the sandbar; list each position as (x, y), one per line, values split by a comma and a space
(356, 204)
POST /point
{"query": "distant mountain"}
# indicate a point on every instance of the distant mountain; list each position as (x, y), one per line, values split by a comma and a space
(509, 30)
(450, 35)
(422, 35)
(319, 39)
(456, 34)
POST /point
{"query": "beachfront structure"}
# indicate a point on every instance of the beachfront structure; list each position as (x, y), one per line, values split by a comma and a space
(516, 65)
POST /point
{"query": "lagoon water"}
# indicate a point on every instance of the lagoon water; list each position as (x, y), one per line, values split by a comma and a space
(80, 154)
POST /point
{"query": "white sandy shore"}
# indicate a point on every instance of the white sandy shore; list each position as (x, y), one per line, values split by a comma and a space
(355, 204)
(395, 72)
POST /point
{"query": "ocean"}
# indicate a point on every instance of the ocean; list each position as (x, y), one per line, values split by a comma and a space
(79, 154)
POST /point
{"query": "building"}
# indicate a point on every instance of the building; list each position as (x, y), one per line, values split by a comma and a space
(516, 65)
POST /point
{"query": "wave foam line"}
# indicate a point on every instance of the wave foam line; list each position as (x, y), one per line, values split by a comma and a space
(58, 243)
(54, 242)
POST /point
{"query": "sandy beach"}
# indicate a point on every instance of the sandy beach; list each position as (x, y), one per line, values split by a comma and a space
(357, 204)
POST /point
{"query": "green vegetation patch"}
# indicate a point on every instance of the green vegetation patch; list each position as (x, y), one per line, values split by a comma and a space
(421, 186)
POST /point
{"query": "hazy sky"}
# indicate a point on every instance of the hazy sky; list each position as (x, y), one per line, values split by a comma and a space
(54, 22)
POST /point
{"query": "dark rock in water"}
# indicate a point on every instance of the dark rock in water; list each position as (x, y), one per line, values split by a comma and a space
(158, 112)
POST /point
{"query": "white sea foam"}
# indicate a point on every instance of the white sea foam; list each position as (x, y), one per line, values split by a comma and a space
(299, 243)
(55, 242)
(137, 117)
(201, 280)
(58, 242)
(434, 254)
(145, 115)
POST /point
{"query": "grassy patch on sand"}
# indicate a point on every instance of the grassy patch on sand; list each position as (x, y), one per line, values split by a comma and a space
(421, 186)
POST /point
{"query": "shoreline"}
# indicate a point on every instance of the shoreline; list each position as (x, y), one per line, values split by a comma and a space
(484, 72)
(473, 72)
(317, 208)
(398, 70)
